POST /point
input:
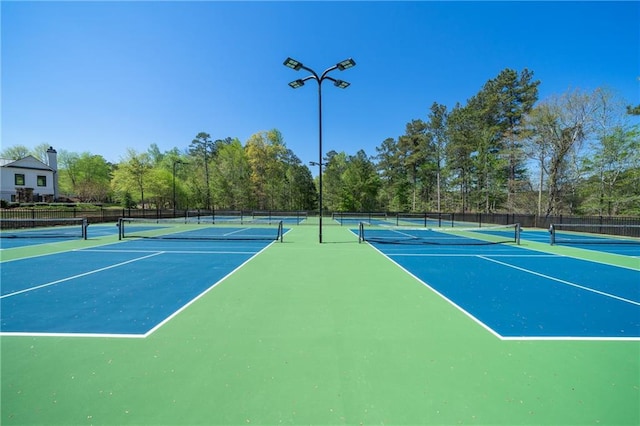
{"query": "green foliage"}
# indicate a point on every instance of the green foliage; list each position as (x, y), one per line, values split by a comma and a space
(127, 201)
(633, 110)
(230, 177)
(85, 177)
(15, 152)
(132, 176)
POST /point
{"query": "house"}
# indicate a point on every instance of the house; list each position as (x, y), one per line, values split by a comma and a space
(29, 179)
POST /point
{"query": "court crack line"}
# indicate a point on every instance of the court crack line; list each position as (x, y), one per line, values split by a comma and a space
(602, 293)
(15, 293)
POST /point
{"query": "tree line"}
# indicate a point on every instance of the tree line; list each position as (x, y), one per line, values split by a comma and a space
(501, 151)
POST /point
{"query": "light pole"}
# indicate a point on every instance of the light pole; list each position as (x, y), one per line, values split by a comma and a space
(174, 184)
(297, 66)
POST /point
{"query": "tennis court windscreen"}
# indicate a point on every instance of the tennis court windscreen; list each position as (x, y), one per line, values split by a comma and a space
(494, 234)
(179, 229)
(44, 228)
(576, 233)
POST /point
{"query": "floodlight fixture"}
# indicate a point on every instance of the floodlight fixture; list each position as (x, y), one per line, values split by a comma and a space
(293, 64)
(341, 84)
(346, 64)
(296, 83)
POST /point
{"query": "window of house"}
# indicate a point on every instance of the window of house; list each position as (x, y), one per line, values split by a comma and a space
(19, 179)
(42, 181)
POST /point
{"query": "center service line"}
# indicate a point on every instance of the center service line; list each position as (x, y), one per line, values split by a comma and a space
(602, 293)
(79, 275)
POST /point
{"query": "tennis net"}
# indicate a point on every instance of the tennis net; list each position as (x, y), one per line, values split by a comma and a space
(495, 234)
(44, 228)
(351, 218)
(425, 219)
(267, 217)
(576, 233)
(179, 229)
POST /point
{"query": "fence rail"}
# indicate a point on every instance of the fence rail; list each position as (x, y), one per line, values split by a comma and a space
(478, 219)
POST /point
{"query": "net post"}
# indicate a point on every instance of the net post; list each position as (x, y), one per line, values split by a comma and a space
(85, 226)
(120, 228)
(518, 233)
(280, 231)
(360, 232)
(552, 234)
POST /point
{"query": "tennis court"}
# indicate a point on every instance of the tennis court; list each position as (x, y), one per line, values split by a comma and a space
(25, 232)
(296, 332)
(514, 292)
(127, 289)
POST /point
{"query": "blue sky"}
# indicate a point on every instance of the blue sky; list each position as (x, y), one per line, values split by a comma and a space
(101, 77)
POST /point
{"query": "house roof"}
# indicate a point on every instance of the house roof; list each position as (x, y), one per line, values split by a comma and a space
(28, 162)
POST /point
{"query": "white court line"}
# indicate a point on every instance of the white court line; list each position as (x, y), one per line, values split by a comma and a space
(199, 296)
(155, 328)
(235, 232)
(468, 255)
(89, 335)
(433, 289)
(79, 275)
(491, 330)
(169, 251)
(549, 277)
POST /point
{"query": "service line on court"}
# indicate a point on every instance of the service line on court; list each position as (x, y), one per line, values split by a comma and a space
(26, 290)
(170, 251)
(468, 255)
(549, 277)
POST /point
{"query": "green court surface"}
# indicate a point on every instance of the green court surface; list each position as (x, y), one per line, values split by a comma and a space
(326, 334)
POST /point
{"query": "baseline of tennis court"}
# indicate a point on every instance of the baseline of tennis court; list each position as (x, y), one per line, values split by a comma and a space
(517, 293)
(127, 289)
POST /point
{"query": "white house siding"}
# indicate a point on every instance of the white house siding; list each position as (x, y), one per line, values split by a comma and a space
(31, 168)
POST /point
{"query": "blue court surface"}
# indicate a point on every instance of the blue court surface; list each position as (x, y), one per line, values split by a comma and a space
(517, 293)
(602, 243)
(35, 237)
(126, 289)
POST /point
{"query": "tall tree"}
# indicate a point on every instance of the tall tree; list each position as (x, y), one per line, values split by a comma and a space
(231, 177)
(503, 103)
(413, 152)
(633, 110)
(266, 152)
(301, 191)
(361, 184)
(617, 154)
(461, 133)
(335, 164)
(132, 175)
(15, 152)
(40, 152)
(395, 187)
(564, 122)
(155, 155)
(437, 131)
(84, 176)
(202, 150)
